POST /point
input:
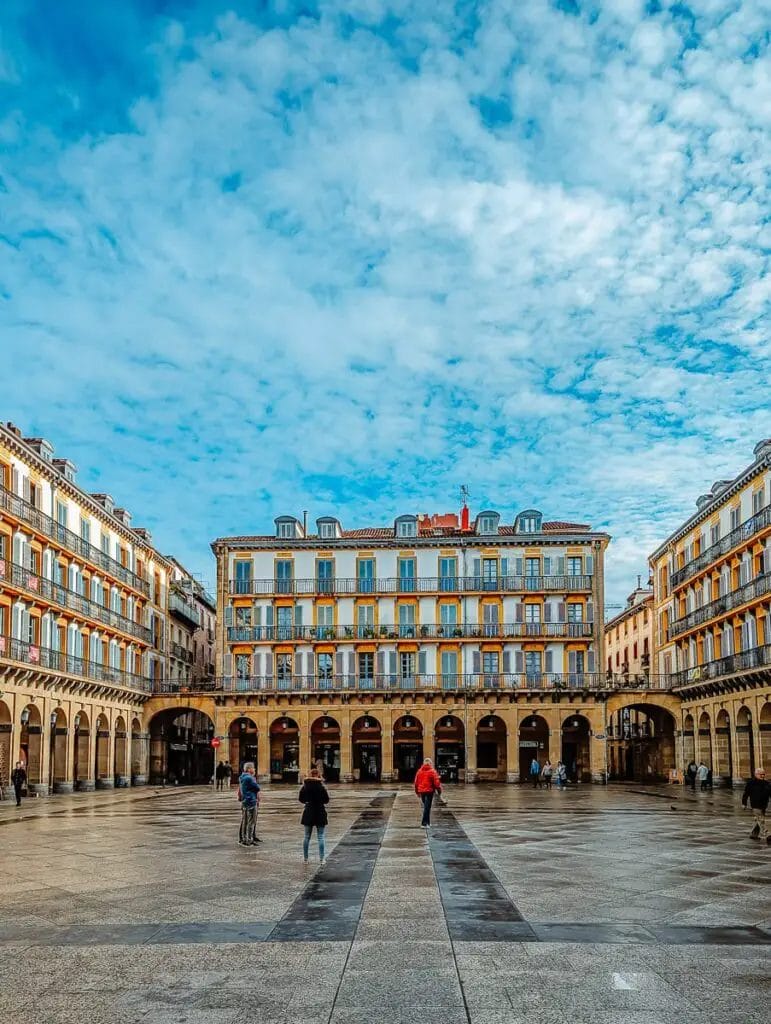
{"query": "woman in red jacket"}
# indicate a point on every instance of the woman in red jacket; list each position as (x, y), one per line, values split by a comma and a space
(427, 782)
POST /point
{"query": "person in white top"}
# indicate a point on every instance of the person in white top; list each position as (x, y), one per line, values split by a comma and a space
(702, 774)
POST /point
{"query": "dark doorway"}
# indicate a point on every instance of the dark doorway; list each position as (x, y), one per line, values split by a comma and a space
(180, 748)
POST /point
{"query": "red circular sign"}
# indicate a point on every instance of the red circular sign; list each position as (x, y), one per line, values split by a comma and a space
(215, 741)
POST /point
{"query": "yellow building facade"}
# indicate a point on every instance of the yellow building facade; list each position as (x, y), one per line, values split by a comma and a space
(83, 626)
(712, 625)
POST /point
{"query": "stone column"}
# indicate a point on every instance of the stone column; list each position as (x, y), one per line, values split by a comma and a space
(471, 746)
(303, 723)
(263, 746)
(346, 746)
(387, 744)
(511, 718)
(138, 758)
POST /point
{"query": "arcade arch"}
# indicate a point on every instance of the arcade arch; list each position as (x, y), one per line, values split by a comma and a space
(408, 747)
(180, 747)
(284, 749)
(242, 744)
(325, 745)
(367, 744)
(450, 747)
(575, 755)
(491, 749)
(641, 743)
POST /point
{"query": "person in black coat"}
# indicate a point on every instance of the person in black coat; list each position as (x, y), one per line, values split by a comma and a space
(18, 781)
(758, 793)
(315, 797)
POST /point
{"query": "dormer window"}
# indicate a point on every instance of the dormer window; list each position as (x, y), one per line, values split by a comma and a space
(528, 522)
(328, 528)
(406, 526)
(286, 530)
(487, 522)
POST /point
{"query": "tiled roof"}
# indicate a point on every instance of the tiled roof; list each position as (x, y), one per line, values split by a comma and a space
(559, 525)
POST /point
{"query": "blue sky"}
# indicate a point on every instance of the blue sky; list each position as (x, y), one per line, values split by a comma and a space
(263, 257)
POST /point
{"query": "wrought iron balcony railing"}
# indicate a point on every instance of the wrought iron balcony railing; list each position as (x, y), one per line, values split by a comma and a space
(341, 586)
(483, 631)
(59, 663)
(731, 664)
(40, 587)
(181, 653)
(748, 592)
(50, 528)
(721, 547)
(442, 682)
(183, 607)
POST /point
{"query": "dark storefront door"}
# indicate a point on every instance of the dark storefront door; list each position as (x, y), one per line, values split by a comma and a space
(409, 757)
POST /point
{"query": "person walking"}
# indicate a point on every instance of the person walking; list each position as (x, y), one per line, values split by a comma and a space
(690, 774)
(427, 783)
(535, 773)
(227, 774)
(314, 795)
(219, 774)
(546, 774)
(562, 775)
(249, 795)
(19, 781)
(758, 792)
(702, 773)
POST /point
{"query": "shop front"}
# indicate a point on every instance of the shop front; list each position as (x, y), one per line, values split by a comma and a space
(284, 750)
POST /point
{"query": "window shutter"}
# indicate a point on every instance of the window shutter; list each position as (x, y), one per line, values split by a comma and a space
(257, 661)
(519, 661)
(547, 565)
(381, 663)
(25, 488)
(561, 612)
(477, 568)
(229, 615)
(421, 663)
(589, 565)
(300, 663)
(257, 613)
(590, 611)
(15, 480)
(269, 615)
(339, 664)
(298, 615)
(269, 664)
(571, 662)
(590, 661)
(561, 565)
(549, 661)
(520, 566)
(504, 567)
(476, 662)
(507, 661)
(519, 612)
(228, 664)
(392, 663)
(17, 551)
(547, 611)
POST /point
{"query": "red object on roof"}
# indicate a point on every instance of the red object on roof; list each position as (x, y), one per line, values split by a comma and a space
(465, 519)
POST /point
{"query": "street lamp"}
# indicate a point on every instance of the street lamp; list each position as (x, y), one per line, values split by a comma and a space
(25, 716)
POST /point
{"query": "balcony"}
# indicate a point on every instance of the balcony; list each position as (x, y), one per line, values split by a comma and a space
(180, 606)
(340, 587)
(732, 664)
(742, 595)
(483, 631)
(482, 681)
(44, 524)
(59, 663)
(39, 587)
(711, 554)
(181, 653)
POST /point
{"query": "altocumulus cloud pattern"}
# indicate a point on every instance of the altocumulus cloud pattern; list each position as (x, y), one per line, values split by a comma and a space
(259, 257)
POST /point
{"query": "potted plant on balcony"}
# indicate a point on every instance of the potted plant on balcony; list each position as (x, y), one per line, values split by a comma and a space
(384, 631)
(348, 631)
(424, 630)
(369, 633)
(457, 631)
(329, 634)
(391, 634)
(440, 630)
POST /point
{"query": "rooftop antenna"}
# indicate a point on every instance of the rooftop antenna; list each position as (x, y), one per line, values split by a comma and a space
(464, 513)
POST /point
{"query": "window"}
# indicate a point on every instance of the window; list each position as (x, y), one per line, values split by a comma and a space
(242, 667)
(488, 524)
(243, 570)
(714, 534)
(406, 575)
(61, 514)
(243, 617)
(489, 573)
(735, 517)
(366, 572)
(532, 664)
(490, 667)
(85, 530)
(757, 500)
(327, 530)
(325, 627)
(532, 566)
(324, 668)
(575, 612)
(325, 573)
(575, 566)
(365, 621)
(285, 530)
(449, 668)
(283, 576)
(448, 617)
(532, 619)
(406, 528)
(284, 668)
(406, 620)
(448, 572)
(367, 667)
(407, 666)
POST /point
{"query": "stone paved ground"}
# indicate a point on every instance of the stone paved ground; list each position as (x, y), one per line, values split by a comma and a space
(609, 906)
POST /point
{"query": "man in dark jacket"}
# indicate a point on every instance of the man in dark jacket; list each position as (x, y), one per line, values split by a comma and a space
(219, 774)
(249, 791)
(758, 792)
(18, 781)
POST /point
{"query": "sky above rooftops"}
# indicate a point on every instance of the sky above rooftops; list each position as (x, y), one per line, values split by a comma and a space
(263, 257)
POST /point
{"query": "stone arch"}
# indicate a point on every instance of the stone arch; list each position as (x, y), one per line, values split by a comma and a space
(120, 768)
(408, 746)
(533, 743)
(367, 744)
(745, 745)
(689, 739)
(325, 746)
(82, 777)
(491, 748)
(575, 753)
(284, 749)
(6, 729)
(450, 747)
(180, 746)
(722, 771)
(243, 739)
(641, 739)
(58, 769)
(764, 725)
(31, 747)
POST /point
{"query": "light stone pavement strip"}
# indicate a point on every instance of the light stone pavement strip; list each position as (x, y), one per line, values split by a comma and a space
(127, 907)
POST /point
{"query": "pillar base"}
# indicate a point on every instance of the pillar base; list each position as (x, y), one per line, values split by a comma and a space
(347, 777)
(138, 780)
(512, 777)
(387, 777)
(64, 787)
(739, 783)
(471, 775)
(38, 789)
(721, 782)
(105, 783)
(84, 786)
(599, 778)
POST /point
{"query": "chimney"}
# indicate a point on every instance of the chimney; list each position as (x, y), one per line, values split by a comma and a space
(465, 519)
(143, 534)
(13, 429)
(105, 500)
